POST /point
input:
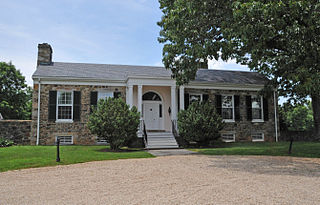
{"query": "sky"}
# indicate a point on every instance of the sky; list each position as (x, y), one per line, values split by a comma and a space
(84, 31)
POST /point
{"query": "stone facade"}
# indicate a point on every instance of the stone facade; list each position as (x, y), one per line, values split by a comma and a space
(19, 131)
(244, 128)
(49, 130)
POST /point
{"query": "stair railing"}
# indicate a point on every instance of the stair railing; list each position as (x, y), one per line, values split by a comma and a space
(144, 133)
(175, 128)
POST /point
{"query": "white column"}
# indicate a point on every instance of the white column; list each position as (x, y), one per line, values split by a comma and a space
(173, 103)
(130, 95)
(181, 89)
(140, 99)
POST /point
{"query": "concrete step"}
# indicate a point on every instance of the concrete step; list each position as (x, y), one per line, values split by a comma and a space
(162, 147)
(161, 140)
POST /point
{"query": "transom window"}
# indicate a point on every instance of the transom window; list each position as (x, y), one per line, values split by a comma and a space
(195, 98)
(104, 95)
(64, 105)
(151, 96)
(257, 111)
(257, 136)
(227, 107)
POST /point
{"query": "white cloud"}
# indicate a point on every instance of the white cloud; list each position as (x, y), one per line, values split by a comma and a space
(229, 65)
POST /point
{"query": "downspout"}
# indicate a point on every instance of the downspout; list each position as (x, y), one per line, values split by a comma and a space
(275, 115)
(38, 119)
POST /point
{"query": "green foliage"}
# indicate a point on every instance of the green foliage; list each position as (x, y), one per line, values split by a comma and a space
(15, 95)
(114, 121)
(199, 123)
(20, 157)
(279, 39)
(5, 142)
(297, 117)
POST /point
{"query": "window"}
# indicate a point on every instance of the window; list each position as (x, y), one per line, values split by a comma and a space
(64, 106)
(257, 137)
(101, 141)
(151, 96)
(195, 98)
(160, 110)
(65, 139)
(227, 108)
(228, 137)
(257, 108)
(104, 95)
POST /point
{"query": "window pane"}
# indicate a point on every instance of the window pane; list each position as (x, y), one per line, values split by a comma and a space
(104, 95)
(256, 113)
(256, 101)
(151, 96)
(227, 113)
(65, 98)
(194, 98)
(227, 102)
(65, 112)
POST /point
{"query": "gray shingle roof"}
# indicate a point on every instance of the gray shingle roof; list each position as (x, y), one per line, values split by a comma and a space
(121, 72)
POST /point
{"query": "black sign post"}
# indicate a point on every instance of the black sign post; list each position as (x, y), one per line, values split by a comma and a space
(58, 150)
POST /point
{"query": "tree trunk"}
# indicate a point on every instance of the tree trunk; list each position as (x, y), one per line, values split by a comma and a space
(316, 115)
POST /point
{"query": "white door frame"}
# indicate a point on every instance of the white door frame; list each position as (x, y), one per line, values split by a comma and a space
(161, 119)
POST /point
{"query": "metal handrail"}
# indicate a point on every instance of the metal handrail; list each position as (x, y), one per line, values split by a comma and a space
(144, 133)
(174, 128)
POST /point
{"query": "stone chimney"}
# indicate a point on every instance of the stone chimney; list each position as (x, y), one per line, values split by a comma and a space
(203, 64)
(44, 54)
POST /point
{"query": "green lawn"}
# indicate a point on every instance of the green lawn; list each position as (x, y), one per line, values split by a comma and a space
(299, 149)
(19, 157)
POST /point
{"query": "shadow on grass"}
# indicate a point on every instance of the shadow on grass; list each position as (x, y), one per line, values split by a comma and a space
(107, 149)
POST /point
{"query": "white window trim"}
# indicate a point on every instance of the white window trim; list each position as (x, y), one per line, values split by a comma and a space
(262, 114)
(233, 113)
(258, 140)
(65, 136)
(201, 96)
(228, 133)
(57, 107)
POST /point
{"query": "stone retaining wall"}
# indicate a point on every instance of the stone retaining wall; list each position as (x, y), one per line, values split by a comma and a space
(18, 131)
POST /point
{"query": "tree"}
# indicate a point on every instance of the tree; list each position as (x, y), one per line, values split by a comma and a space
(279, 39)
(297, 117)
(15, 95)
(199, 123)
(115, 122)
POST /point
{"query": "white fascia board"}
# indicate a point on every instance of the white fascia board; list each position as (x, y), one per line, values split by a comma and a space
(79, 81)
(213, 86)
(151, 81)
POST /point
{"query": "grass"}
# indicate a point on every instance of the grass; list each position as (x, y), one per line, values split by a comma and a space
(299, 149)
(20, 157)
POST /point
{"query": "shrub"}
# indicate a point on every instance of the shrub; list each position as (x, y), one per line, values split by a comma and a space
(5, 142)
(199, 123)
(115, 122)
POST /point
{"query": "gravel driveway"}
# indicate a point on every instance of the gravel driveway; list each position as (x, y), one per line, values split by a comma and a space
(192, 179)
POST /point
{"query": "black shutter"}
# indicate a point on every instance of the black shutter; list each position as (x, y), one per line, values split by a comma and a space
(237, 107)
(52, 105)
(93, 99)
(205, 97)
(116, 94)
(265, 109)
(218, 104)
(249, 107)
(186, 101)
(76, 105)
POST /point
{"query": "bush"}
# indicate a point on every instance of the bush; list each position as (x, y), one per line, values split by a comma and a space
(115, 122)
(5, 142)
(200, 123)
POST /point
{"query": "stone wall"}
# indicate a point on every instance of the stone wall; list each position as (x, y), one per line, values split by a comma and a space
(244, 128)
(49, 130)
(18, 131)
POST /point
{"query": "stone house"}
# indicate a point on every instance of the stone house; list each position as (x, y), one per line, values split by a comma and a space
(64, 92)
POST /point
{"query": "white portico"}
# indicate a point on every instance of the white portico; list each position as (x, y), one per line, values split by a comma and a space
(156, 99)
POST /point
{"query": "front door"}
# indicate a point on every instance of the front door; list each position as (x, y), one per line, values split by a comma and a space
(151, 115)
